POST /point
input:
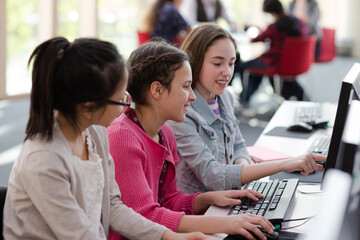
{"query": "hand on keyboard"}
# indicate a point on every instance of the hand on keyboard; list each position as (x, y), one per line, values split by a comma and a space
(305, 164)
(230, 197)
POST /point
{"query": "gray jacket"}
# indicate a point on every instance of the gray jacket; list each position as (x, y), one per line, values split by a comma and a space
(208, 145)
(45, 199)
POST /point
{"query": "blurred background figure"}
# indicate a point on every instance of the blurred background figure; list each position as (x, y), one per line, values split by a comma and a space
(164, 20)
(283, 26)
(199, 11)
(309, 12)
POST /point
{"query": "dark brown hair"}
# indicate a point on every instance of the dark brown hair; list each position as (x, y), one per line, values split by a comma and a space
(153, 61)
(66, 74)
(273, 6)
(197, 43)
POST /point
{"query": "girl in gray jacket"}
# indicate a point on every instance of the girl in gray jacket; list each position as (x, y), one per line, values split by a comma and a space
(212, 151)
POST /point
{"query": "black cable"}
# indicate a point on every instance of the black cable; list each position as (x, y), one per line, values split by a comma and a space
(299, 219)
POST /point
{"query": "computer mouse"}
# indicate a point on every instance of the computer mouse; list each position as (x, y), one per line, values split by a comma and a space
(300, 127)
(273, 236)
(322, 125)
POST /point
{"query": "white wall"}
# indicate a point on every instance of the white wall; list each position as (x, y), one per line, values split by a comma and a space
(344, 17)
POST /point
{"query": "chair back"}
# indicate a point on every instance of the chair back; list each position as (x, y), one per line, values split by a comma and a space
(327, 46)
(297, 55)
(143, 37)
(3, 191)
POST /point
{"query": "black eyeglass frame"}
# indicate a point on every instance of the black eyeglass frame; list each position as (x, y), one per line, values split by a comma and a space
(120, 103)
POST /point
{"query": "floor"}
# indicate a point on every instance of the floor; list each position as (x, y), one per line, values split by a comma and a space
(321, 83)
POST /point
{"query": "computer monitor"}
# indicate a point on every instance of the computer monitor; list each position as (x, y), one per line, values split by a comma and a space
(349, 161)
(350, 90)
(347, 220)
(329, 219)
(350, 140)
(339, 214)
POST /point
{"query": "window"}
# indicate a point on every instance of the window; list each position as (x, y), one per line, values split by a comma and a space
(21, 36)
(68, 19)
(118, 21)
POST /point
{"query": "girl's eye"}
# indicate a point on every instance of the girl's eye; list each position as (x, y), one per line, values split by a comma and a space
(217, 64)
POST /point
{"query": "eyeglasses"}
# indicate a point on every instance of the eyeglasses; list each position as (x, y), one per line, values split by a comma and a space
(126, 101)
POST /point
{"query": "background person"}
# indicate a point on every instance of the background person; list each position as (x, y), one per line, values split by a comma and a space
(200, 11)
(163, 20)
(276, 33)
(309, 12)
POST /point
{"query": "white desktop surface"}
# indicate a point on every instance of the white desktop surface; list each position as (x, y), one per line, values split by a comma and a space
(283, 118)
(307, 196)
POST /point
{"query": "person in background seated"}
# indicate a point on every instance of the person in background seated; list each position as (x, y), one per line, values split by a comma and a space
(62, 185)
(163, 20)
(144, 149)
(200, 11)
(276, 32)
(309, 12)
(210, 146)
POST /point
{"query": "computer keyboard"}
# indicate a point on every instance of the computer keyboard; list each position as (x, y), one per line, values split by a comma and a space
(308, 114)
(277, 198)
(320, 146)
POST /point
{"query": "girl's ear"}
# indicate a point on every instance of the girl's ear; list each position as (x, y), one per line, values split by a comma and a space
(87, 109)
(156, 89)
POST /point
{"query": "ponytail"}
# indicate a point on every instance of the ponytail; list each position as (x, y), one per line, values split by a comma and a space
(67, 74)
(45, 59)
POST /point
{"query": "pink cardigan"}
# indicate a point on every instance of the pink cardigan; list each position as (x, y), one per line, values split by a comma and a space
(138, 164)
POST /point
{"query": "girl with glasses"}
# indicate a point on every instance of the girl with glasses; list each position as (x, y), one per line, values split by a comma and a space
(144, 149)
(62, 186)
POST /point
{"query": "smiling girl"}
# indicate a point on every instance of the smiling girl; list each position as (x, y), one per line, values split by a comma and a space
(211, 148)
(144, 149)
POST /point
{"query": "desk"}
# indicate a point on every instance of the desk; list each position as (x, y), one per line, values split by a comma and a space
(283, 118)
(303, 205)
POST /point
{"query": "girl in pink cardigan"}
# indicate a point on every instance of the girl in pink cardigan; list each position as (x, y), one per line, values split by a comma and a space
(144, 149)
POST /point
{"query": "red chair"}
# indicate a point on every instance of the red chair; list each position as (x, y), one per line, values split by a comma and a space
(297, 57)
(327, 46)
(143, 37)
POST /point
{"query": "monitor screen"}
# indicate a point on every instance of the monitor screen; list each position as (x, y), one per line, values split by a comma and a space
(350, 89)
(339, 214)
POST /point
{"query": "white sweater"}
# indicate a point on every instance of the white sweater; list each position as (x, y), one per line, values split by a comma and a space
(45, 198)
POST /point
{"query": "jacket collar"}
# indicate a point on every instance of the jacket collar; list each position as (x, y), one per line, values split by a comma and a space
(203, 109)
